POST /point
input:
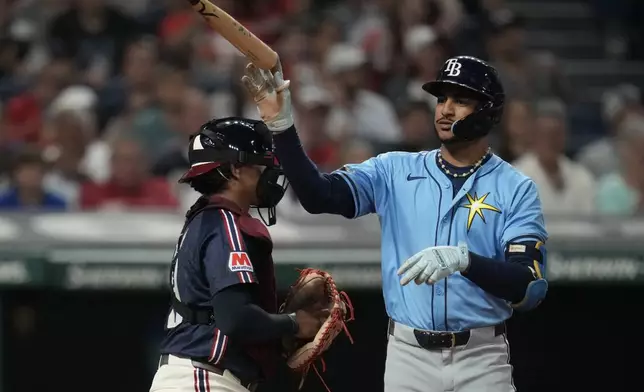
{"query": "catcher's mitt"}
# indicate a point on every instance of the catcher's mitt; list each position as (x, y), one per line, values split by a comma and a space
(314, 290)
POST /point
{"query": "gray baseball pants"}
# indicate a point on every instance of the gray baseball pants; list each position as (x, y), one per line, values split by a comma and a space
(482, 365)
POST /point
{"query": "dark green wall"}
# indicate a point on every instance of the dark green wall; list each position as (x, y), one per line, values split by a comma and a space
(581, 339)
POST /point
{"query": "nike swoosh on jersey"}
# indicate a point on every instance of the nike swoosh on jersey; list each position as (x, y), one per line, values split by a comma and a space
(412, 178)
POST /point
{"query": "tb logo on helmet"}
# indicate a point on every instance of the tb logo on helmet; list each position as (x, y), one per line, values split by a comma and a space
(453, 67)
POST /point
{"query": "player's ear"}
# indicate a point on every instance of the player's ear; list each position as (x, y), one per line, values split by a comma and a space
(235, 171)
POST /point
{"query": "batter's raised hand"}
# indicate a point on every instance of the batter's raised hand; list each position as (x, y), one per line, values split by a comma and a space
(434, 263)
(271, 94)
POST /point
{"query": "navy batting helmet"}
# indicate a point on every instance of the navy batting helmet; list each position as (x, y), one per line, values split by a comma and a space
(479, 78)
(230, 140)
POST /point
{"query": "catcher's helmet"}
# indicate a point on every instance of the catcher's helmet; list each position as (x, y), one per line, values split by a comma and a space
(229, 140)
(480, 78)
(236, 140)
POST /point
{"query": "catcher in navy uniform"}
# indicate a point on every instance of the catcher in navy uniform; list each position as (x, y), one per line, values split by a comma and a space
(224, 331)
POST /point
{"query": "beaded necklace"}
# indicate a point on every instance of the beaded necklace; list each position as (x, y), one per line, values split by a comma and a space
(474, 167)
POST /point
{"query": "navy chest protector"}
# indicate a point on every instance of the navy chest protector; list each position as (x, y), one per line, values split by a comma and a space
(203, 315)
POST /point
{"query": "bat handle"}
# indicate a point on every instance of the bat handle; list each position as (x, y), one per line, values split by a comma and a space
(283, 84)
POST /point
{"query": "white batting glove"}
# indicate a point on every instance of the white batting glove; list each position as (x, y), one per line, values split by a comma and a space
(272, 96)
(434, 263)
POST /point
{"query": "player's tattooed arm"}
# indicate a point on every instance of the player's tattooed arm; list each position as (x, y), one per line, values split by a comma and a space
(319, 193)
(511, 278)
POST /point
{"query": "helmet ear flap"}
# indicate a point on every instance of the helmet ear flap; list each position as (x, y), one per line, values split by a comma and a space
(479, 123)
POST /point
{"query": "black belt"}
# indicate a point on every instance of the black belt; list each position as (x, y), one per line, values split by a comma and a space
(433, 340)
(251, 386)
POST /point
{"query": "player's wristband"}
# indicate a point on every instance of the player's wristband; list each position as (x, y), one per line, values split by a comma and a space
(296, 326)
(279, 124)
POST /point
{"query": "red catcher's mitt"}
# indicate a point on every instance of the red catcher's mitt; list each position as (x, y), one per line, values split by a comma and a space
(314, 290)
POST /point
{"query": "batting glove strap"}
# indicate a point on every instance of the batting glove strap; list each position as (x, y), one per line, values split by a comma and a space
(279, 124)
(284, 119)
(464, 256)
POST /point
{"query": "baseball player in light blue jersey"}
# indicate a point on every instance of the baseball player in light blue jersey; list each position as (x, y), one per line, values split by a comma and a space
(462, 231)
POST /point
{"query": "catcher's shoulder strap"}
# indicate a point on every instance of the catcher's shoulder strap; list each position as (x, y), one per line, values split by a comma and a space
(193, 314)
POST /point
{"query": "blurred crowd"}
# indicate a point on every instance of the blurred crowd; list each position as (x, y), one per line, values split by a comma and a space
(98, 97)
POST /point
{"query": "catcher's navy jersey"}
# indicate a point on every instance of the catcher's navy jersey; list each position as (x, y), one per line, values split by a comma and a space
(418, 208)
(214, 253)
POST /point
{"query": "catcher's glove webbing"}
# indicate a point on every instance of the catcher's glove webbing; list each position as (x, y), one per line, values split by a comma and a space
(315, 290)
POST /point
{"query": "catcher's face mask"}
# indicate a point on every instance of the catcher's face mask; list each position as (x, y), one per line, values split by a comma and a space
(269, 189)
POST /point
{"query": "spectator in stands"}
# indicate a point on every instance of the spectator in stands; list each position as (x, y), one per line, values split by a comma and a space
(525, 74)
(26, 190)
(565, 187)
(157, 125)
(516, 130)
(601, 156)
(130, 184)
(622, 192)
(74, 154)
(312, 111)
(357, 112)
(354, 151)
(371, 32)
(444, 16)
(307, 50)
(95, 35)
(5, 150)
(326, 33)
(471, 35)
(24, 113)
(294, 47)
(11, 55)
(172, 160)
(74, 109)
(133, 88)
(417, 124)
(621, 25)
(425, 55)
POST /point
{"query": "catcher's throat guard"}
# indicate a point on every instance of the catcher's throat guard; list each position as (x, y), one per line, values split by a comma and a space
(315, 289)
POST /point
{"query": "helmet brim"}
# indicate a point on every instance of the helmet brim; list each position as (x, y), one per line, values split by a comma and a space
(198, 169)
(436, 87)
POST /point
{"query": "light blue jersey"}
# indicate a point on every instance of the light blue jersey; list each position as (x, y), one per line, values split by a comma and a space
(413, 198)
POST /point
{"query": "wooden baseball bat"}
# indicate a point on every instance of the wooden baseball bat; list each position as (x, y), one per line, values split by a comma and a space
(246, 42)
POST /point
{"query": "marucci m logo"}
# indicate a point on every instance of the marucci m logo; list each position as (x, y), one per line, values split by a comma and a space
(239, 262)
(453, 67)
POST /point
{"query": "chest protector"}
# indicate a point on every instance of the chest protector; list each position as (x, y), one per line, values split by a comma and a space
(258, 239)
(254, 232)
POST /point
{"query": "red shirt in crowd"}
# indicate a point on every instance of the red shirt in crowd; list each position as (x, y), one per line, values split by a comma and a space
(23, 119)
(153, 193)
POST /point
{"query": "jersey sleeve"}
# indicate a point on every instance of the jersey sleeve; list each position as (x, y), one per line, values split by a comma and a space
(367, 183)
(525, 221)
(226, 261)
